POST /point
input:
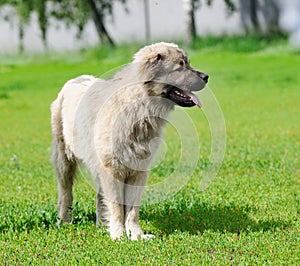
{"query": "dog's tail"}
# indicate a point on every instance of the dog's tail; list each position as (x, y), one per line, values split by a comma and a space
(58, 142)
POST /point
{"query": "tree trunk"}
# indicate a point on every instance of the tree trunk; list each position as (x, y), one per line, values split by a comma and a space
(147, 21)
(43, 21)
(190, 25)
(21, 37)
(249, 17)
(98, 21)
(270, 10)
(253, 15)
(244, 14)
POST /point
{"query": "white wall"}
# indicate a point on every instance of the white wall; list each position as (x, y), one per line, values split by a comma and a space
(166, 18)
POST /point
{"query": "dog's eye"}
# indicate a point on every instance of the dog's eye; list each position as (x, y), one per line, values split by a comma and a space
(159, 57)
(182, 63)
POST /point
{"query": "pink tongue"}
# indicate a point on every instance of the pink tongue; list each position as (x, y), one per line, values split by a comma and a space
(194, 98)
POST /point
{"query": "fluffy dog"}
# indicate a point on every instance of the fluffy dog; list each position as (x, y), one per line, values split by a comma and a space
(113, 126)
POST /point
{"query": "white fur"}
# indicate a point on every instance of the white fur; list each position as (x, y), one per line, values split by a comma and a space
(109, 126)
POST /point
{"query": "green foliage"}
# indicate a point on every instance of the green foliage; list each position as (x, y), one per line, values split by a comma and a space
(22, 9)
(248, 216)
(72, 12)
(229, 4)
(41, 9)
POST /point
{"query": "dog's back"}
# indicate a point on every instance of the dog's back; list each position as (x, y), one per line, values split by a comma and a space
(63, 109)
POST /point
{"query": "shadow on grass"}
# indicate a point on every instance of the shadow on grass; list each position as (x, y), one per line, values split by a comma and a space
(193, 218)
(198, 217)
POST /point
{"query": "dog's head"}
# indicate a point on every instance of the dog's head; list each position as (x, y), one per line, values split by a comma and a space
(166, 72)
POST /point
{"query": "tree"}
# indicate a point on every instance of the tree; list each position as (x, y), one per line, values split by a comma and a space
(78, 13)
(249, 16)
(271, 11)
(147, 20)
(21, 9)
(40, 6)
(189, 7)
(251, 10)
(98, 17)
(72, 12)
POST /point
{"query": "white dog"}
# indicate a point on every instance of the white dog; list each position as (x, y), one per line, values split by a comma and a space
(111, 126)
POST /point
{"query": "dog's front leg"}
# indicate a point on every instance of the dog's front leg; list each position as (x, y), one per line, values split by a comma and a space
(102, 215)
(133, 194)
(113, 199)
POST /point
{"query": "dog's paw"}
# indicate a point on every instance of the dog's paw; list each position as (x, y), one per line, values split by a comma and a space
(139, 237)
(133, 231)
(116, 231)
(61, 222)
(147, 237)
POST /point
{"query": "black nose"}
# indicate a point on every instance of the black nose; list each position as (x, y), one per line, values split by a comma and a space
(204, 77)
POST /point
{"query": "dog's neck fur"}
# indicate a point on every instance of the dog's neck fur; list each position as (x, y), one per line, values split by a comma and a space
(142, 122)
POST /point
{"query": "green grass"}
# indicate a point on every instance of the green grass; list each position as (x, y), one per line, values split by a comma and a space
(249, 215)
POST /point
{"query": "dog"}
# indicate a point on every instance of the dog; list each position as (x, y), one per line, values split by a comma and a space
(113, 126)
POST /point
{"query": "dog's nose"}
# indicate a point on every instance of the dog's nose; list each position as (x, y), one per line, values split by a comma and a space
(204, 77)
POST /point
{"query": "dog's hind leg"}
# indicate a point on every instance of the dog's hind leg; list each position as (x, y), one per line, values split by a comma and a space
(65, 166)
(65, 172)
(133, 194)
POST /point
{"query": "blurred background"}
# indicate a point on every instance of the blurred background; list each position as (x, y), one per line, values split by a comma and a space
(249, 215)
(66, 25)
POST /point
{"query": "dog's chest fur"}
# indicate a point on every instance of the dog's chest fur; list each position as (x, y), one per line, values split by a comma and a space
(135, 134)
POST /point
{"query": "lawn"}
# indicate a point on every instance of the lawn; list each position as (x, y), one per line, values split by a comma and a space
(249, 215)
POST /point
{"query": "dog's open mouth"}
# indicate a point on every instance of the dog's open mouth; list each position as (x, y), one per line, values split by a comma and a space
(182, 98)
